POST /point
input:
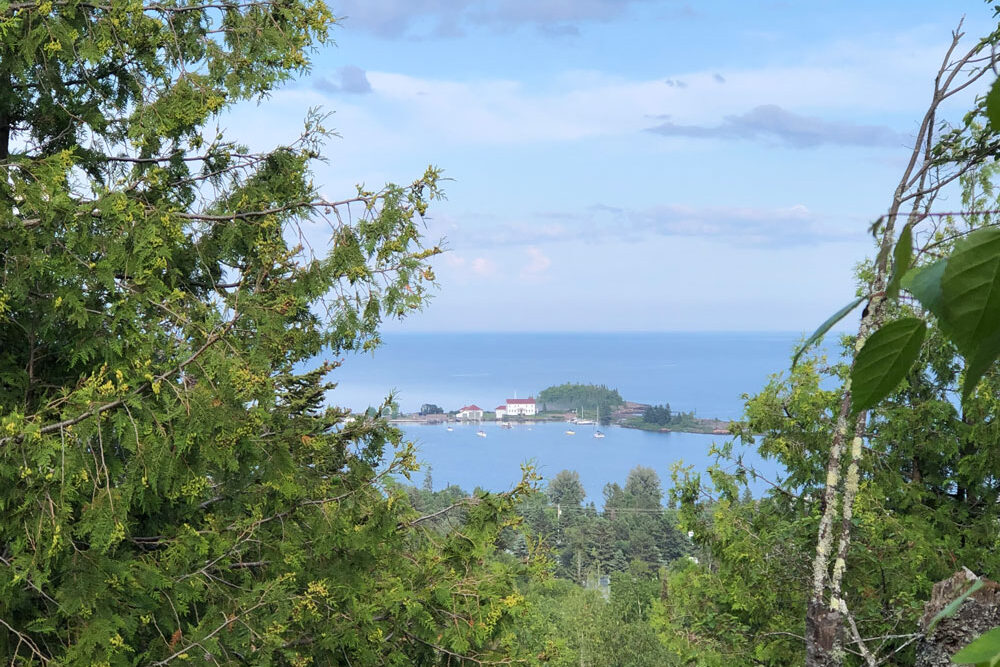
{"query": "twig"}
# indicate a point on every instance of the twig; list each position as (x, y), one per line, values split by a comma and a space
(211, 634)
(92, 412)
(25, 639)
(464, 502)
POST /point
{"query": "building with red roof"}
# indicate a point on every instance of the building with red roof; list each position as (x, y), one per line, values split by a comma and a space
(471, 412)
(521, 406)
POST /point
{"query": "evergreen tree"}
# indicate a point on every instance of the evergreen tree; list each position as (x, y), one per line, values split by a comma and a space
(642, 489)
(172, 486)
(566, 490)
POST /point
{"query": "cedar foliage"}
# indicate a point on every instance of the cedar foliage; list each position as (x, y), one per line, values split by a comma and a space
(173, 486)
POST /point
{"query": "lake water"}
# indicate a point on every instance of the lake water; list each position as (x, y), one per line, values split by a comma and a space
(461, 457)
(702, 372)
(707, 373)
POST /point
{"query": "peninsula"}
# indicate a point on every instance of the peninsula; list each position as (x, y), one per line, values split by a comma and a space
(574, 403)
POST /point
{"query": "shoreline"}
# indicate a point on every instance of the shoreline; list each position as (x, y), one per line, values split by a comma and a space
(702, 426)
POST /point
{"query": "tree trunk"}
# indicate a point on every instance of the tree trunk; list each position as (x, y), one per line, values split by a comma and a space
(6, 93)
(917, 190)
(7, 104)
(823, 625)
(979, 613)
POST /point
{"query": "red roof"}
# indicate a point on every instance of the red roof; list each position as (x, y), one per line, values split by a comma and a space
(501, 407)
(521, 401)
(471, 407)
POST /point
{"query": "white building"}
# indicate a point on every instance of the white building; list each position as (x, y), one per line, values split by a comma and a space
(501, 411)
(471, 412)
(521, 406)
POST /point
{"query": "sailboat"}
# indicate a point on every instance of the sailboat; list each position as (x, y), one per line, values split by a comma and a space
(481, 433)
(597, 421)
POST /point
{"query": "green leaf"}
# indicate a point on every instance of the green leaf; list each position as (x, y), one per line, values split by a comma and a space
(985, 649)
(884, 360)
(980, 362)
(993, 105)
(901, 258)
(953, 606)
(924, 283)
(970, 291)
(826, 326)
(876, 226)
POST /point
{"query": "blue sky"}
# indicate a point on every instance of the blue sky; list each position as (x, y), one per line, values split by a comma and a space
(625, 165)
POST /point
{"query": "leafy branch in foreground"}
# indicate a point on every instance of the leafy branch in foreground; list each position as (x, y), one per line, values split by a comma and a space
(174, 485)
(963, 292)
(889, 482)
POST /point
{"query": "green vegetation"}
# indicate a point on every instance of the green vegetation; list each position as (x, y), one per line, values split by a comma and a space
(659, 418)
(659, 415)
(629, 543)
(892, 483)
(585, 399)
(173, 489)
(688, 424)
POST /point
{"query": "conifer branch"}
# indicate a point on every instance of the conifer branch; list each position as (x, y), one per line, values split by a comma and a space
(100, 409)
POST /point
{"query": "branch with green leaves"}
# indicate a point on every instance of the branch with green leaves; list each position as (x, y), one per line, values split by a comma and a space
(887, 344)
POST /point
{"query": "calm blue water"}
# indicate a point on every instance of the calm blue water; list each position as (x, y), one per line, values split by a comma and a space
(461, 457)
(702, 372)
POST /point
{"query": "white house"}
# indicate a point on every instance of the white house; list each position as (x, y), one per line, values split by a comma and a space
(501, 411)
(521, 406)
(471, 412)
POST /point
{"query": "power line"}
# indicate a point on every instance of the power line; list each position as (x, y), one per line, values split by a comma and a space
(606, 510)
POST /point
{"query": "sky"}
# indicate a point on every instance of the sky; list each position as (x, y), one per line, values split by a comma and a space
(629, 165)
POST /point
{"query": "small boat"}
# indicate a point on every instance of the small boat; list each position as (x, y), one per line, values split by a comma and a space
(597, 420)
(570, 431)
(450, 428)
(506, 425)
(481, 433)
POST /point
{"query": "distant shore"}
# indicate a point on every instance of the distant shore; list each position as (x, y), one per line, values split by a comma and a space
(700, 426)
(705, 426)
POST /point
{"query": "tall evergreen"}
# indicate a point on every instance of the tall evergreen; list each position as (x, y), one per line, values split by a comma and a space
(172, 485)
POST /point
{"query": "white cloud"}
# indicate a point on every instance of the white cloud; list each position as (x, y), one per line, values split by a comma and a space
(396, 18)
(348, 79)
(480, 267)
(538, 264)
(771, 123)
(483, 267)
(778, 226)
(410, 115)
(585, 105)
